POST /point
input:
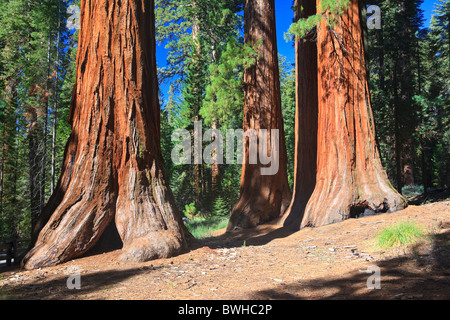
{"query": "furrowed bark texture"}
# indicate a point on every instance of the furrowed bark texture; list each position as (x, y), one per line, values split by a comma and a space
(306, 114)
(263, 197)
(350, 177)
(113, 168)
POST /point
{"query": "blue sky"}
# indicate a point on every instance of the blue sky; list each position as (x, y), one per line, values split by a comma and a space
(284, 16)
(428, 7)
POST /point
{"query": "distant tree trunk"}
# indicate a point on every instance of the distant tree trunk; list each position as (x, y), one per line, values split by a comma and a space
(46, 98)
(381, 59)
(34, 168)
(9, 162)
(9, 92)
(196, 102)
(113, 167)
(263, 198)
(199, 183)
(215, 169)
(54, 129)
(305, 118)
(397, 135)
(2, 167)
(350, 177)
(55, 108)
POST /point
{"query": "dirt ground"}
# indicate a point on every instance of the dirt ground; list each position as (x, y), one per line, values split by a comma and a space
(264, 264)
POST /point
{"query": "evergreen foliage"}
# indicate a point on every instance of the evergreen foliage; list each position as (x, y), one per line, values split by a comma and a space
(36, 82)
(206, 56)
(330, 10)
(409, 85)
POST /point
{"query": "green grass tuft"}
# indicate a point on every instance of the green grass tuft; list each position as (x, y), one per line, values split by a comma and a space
(400, 234)
(202, 228)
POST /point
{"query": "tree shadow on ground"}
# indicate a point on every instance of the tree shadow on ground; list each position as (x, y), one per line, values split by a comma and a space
(57, 288)
(430, 197)
(421, 276)
(258, 236)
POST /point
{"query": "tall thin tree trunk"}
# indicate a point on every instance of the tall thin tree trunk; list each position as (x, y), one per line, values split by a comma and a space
(9, 158)
(397, 135)
(350, 177)
(306, 117)
(381, 59)
(199, 181)
(10, 93)
(55, 108)
(15, 171)
(263, 198)
(113, 168)
(34, 169)
(423, 142)
(2, 173)
(43, 163)
(215, 169)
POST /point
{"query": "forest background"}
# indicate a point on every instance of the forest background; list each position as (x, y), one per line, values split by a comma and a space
(201, 58)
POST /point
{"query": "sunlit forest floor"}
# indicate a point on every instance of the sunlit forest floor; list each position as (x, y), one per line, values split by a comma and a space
(265, 263)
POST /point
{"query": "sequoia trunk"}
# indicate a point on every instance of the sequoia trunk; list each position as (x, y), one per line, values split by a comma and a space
(262, 197)
(113, 168)
(350, 177)
(305, 118)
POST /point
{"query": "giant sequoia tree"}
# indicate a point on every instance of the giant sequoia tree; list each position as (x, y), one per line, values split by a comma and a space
(305, 117)
(263, 197)
(350, 177)
(113, 169)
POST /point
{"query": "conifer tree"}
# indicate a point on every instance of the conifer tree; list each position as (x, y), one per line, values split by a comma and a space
(263, 198)
(114, 150)
(349, 178)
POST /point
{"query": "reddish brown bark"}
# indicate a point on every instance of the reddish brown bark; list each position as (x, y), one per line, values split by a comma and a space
(113, 168)
(350, 177)
(305, 118)
(263, 197)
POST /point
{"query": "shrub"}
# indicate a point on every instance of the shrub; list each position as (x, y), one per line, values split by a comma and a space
(220, 207)
(190, 210)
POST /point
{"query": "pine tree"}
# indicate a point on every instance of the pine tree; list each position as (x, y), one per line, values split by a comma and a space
(196, 34)
(288, 85)
(394, 84)
(26, 50)
(433, 99)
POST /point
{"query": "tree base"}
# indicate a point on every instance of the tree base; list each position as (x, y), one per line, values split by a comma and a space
(341, 206)
(159, 245)
(249, 213)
